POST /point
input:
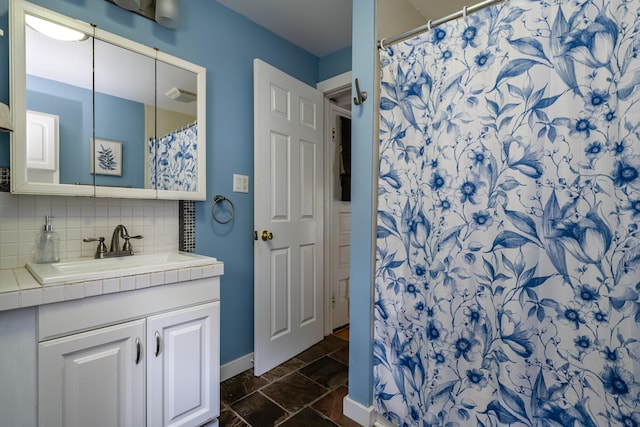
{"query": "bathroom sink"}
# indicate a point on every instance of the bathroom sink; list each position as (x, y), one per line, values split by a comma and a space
(95, 269)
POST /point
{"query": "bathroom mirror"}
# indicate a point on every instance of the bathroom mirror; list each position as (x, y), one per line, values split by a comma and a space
(102, 115)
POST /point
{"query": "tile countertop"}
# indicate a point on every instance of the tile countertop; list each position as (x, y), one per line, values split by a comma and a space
(19, 289)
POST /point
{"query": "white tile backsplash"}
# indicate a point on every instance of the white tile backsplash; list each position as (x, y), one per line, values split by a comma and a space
(22, 216)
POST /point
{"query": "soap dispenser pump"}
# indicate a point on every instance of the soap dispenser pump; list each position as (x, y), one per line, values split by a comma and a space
(47, 244)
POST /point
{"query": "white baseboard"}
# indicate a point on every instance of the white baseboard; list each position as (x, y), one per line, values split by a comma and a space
(359, 413)
(382, 421)
(236, 367)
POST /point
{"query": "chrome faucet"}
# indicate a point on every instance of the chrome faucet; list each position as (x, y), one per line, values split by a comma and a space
(119, 231)
(115, 250)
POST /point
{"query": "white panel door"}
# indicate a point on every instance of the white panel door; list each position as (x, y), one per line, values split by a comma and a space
(183, 360)
(288, 254)
(93, 379)
(340, 253)
(42, 147)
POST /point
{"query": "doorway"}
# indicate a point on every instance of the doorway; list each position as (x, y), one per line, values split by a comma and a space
(337, 209)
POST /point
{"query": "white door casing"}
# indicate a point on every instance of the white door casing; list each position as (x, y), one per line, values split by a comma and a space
(288, 194)
(339, 243)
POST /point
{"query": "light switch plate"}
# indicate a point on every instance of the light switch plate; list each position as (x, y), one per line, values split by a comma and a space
(240, 183)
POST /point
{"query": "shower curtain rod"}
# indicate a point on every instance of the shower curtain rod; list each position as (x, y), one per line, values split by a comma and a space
(384, 43)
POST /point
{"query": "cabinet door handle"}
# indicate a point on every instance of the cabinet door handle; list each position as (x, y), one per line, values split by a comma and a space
(157, 343)
(138, 350)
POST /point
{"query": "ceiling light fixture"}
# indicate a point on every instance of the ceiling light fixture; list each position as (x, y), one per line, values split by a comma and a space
(167, 13)
(164, 12)
(53, 30)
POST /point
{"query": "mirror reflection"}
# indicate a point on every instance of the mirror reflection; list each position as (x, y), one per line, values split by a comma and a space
(59, 109)
(124, 100)
(173, 153)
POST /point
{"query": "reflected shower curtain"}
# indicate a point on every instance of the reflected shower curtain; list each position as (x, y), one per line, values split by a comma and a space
(507, 277)
(174, 167)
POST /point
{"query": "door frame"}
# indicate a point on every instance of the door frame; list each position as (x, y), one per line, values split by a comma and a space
(328, 87)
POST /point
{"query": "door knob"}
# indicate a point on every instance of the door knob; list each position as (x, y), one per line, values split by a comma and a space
(267, 235)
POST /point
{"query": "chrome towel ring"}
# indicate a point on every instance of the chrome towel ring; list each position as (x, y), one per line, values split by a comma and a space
(219, 200)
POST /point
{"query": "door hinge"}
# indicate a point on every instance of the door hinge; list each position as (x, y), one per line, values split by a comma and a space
(333, 300)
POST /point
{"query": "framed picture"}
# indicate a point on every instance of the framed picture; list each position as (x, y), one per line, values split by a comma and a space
(106, 158)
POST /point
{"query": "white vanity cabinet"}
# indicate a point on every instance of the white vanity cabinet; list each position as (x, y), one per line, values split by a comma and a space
(182, 351)
(146, 357)
(93, 378)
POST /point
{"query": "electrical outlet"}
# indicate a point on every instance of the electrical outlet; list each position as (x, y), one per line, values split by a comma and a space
(240, 183)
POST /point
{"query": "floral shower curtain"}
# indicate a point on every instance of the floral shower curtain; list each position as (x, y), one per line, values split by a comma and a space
(173, 160)
(508, 252)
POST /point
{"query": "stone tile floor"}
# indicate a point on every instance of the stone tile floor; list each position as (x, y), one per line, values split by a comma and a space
(304, 391)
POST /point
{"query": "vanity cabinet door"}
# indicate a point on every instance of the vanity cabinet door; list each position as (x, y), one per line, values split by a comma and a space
(93, 378)
(183, 374)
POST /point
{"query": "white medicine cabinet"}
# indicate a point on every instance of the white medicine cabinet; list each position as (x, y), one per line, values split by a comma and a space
(101, 115)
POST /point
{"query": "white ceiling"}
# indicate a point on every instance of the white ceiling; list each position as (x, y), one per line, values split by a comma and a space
(318, 26)
(322, 26)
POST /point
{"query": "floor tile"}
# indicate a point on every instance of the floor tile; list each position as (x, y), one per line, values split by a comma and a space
(240, 386)
(327, 371)
(228, 418)
(294, 391)
(257, 410)
(284, 369)
(341, 355)
(327, 345)
(307, 418)
(306, 391)
(331, 407)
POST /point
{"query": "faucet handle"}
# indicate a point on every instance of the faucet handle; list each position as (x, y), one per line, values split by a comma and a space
(127, 244)
(102, 248)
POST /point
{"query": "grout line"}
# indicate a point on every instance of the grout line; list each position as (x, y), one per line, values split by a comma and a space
(302, 409)
(277, 404)
(237, 415)
(328, 389)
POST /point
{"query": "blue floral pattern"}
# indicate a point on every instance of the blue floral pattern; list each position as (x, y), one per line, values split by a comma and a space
(507, 285)
(175, 167)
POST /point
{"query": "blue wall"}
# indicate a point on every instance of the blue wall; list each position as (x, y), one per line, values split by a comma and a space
(73, 107)
(123, 120)
(120, 120)
(335, 63)
(363, 200)
(226, 44)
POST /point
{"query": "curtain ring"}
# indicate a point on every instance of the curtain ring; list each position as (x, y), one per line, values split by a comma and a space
(464, 12)
(429, 25)
(221, 199)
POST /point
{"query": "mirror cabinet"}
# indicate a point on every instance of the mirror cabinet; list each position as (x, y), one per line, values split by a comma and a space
(99, 115)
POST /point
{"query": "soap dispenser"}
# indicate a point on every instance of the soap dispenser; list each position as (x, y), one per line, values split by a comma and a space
(47, 244)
